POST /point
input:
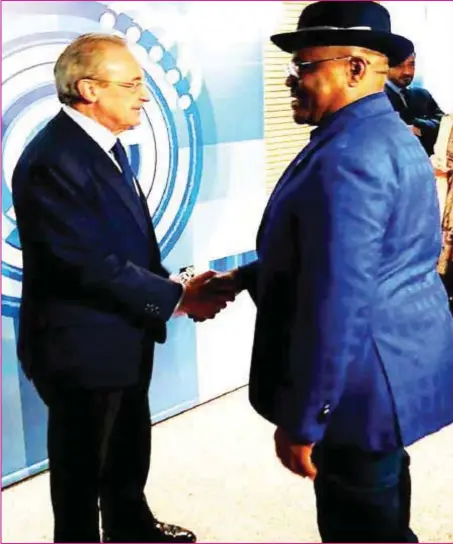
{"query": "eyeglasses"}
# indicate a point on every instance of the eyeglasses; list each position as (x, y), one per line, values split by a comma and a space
(297, 68)
(134, 86)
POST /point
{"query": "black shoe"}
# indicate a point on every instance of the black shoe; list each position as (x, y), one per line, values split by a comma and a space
(159, 532)
(166, 532)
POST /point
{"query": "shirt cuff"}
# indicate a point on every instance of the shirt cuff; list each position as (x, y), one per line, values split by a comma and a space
(177, 312)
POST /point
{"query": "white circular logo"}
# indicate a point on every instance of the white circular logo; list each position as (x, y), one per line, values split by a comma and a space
(165, 151)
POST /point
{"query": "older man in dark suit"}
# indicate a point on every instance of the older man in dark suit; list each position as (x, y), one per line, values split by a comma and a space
(353, 339)
(95, 297)
(415, 105)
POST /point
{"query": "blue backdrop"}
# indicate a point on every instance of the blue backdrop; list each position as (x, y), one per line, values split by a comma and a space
(199, 156)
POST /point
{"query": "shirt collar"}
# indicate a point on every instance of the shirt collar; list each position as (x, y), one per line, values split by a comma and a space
(394, 87)
(100, 134)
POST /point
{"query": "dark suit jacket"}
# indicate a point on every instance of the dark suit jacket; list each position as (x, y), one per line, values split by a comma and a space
(421, 111)
(353, 326)
(94, 291)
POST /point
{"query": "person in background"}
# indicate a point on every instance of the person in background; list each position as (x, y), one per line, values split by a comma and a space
(416, 106)
(352, 352)
(442, 161)
(96, 297)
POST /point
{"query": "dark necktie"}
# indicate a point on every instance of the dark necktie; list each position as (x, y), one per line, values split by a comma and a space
(405, 95)
(121, 158)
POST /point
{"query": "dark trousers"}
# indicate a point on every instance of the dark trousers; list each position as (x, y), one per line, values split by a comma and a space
(99, 447)
(363, 497)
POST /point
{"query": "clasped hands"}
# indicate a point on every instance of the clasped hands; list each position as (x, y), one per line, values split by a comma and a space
(206, 294)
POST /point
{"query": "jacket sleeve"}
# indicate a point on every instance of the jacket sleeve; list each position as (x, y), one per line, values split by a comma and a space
(429, 123)
(66, 224)
(354, 201)
(248, 275)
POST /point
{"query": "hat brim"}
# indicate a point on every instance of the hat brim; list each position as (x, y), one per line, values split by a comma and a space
(382, 42)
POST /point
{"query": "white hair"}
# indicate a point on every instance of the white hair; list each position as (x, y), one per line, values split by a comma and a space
(81, 59)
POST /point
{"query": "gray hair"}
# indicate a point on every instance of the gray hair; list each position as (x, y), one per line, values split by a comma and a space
(81, 59)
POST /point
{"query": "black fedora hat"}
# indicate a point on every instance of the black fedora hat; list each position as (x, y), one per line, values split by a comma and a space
(363, 24)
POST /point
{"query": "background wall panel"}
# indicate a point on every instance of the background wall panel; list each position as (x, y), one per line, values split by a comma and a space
(200, 158)
(283, 138)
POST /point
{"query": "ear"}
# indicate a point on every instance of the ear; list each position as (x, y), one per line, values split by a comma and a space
(357, 69)
(88, 90)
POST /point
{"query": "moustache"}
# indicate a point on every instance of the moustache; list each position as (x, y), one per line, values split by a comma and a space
(296, 92)
(301, 98)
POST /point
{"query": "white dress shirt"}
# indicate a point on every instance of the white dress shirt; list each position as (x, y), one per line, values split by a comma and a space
(101, 135)
(106, 140)
(397, 90)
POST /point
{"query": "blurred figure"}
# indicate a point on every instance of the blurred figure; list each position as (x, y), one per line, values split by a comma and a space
(95, 297)
(442, 161)
(417, 107)
(352, 355)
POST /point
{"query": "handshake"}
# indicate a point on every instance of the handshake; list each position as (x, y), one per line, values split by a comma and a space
(206, 294)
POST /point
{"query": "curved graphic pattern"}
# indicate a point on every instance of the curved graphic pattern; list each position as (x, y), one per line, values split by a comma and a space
(168, 172)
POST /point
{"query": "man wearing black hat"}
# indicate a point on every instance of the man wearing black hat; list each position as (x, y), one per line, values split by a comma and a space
(415, 105)
(353, 338)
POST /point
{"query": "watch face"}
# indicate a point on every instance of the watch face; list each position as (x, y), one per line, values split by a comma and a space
(186, 273)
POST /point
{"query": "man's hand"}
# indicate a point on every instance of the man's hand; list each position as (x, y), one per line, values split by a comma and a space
(225, 283)
(201, 302)
(295, 457)
(415, 130)
(223, 286)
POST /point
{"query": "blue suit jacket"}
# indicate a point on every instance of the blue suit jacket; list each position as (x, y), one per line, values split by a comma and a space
(354, 339)
(95, 295)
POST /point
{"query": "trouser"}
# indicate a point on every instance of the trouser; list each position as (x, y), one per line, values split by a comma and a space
(99, 447)
(363, 497)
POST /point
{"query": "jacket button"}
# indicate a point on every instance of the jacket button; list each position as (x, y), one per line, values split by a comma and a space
(324, 413)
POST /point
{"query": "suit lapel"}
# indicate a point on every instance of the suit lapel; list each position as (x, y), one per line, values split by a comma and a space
(86, 149)
(109, 174)
(287, 174)
(149, 221)
(290, 174)
(396, 99)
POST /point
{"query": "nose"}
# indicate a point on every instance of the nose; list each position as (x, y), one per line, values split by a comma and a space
(291, 81)
(144, 94)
